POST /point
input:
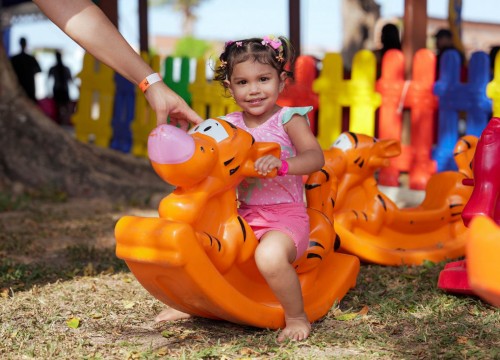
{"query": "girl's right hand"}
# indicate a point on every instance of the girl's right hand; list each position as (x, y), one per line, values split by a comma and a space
(266, 164)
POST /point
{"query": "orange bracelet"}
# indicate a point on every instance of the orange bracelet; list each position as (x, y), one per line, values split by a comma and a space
(148, 81)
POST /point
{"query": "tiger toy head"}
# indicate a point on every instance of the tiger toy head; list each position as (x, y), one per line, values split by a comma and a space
(211, 158)
(356, 157)
(214, 150)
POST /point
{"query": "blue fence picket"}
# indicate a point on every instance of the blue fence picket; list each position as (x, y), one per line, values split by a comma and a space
(123, 114)
(455, 97)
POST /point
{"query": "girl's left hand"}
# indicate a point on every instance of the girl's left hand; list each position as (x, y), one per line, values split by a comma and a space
(266, 164)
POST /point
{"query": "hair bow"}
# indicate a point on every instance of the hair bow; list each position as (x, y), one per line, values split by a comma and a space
(272, 41)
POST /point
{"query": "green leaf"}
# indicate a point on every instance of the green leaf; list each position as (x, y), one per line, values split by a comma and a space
(73, 323)
(167, 333)
(428, 264)
(346, 316)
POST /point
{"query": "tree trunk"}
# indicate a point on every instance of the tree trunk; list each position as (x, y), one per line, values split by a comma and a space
(37, 155)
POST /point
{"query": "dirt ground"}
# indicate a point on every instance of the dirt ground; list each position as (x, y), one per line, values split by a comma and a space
(65, 295)
(61, 258)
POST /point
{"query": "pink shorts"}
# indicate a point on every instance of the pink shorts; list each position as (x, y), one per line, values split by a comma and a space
(291, 219)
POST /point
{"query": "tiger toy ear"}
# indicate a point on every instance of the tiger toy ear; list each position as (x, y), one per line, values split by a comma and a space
(258, 150)
(384, 150)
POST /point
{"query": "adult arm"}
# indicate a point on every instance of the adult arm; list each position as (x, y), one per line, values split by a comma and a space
(86, 24)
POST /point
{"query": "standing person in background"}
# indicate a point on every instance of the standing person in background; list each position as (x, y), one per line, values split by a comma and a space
(86, 24)
(493, 55)
(60, 90)
(389, 37)
(26, 67)
(444, 42)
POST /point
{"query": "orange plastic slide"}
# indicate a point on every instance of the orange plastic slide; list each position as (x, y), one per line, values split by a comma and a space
(374, 228)
(483, 259)
(197, 257)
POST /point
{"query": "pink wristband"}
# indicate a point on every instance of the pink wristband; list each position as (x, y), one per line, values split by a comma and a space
(283, 170)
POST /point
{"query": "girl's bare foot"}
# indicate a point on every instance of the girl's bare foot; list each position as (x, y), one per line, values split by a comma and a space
(171, 314)
(297, 329)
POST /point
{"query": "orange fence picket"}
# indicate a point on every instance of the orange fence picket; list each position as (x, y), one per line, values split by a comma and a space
(299, 92)
(416, 95)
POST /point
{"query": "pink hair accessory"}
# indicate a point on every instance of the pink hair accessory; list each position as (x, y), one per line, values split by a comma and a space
(272, 41)
(239, 43)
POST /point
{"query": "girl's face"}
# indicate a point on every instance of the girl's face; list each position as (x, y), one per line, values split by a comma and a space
(255, 87)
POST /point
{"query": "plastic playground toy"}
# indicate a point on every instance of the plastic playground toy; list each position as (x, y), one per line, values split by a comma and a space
(197, 257)
(483, 259)
(374, 228)
(480, 273)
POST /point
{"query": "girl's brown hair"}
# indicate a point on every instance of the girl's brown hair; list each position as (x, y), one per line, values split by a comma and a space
(277, 52)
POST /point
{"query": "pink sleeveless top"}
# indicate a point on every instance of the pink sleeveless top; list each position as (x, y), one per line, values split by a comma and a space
(280, 189)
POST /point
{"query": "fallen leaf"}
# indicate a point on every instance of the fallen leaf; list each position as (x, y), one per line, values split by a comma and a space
(96, 315)
(4, 293)
(73, 323)
(167, 334)
(351, 316)
(363, 311)
(246, 351)
(162, 352)
(128, 304)
(462, 339)
(346, 316)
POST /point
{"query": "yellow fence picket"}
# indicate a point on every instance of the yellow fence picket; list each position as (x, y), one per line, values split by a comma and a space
(92, 119)
(358, 94)
(208, 98)
(493, 88)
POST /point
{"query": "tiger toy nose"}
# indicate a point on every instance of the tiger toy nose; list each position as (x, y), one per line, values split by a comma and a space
(170, 145)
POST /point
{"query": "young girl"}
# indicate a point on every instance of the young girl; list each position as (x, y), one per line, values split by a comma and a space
(253, 71)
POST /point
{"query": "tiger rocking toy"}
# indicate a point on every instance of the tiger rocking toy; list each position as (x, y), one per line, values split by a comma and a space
(197, 256)
(372, 227)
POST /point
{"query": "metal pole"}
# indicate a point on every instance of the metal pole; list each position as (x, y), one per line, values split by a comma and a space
(294, 24)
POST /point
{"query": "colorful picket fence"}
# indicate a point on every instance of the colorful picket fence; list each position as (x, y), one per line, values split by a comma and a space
(113, 112)
(456, 98)
(400, 94)
(94, 111)
(358, 94)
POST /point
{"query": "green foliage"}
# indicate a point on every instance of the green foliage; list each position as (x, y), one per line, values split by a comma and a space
(191, 47)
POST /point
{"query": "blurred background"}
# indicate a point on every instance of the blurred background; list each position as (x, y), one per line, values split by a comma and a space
(325, 26)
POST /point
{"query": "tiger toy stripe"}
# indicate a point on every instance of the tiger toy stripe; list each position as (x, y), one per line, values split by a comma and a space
(373, 227)
(197, 256)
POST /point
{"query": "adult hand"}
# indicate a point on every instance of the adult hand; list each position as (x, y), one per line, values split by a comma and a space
(166, 103)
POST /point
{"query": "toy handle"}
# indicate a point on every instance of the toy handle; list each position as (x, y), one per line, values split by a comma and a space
(468, 182)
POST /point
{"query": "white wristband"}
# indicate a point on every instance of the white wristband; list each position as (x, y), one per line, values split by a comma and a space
(148, 81)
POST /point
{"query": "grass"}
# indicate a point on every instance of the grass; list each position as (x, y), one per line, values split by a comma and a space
(67, 274)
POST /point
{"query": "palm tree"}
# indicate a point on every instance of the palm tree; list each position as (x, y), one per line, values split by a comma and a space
(187, 8)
